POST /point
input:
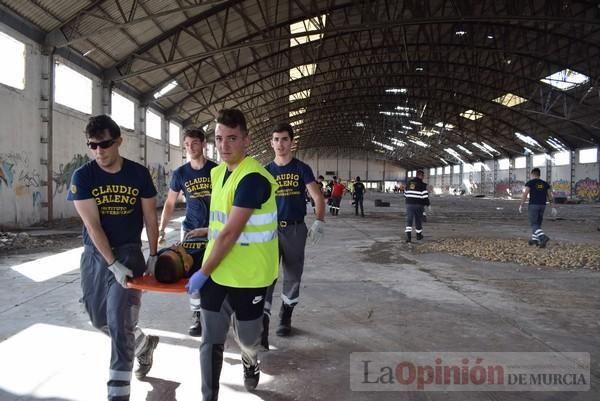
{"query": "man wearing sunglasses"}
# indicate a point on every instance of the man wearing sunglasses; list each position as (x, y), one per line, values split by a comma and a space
(193, 179)
(115, 197)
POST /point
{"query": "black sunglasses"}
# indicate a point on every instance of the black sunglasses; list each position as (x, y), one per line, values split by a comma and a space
(104, 144)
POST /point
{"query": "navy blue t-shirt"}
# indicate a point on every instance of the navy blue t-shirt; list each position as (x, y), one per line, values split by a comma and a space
(118, 197)
(292, 179)
(252, 191)
(538, 191)
(196, 187)
(359, 189)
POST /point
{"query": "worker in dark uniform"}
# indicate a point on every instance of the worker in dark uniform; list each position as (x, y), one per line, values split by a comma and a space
(358, 194)
(294, 178)
(193, 180)
(115, 198)
(539, 192)
(417, 197)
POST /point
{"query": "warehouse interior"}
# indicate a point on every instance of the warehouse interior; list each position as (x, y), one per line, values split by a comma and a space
(475, 93)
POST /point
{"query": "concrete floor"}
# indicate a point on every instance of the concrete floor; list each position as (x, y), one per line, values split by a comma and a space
(364, 290)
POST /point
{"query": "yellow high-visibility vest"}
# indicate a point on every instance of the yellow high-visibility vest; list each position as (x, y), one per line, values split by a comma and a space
(253, 262)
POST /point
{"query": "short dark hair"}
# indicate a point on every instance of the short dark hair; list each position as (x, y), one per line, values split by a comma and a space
(98, 124)
(196, 133)
(420, 172)
(168, 269)
(283, 127)
(536, 171)
(232, 118)
(357, 178)
(321, 177)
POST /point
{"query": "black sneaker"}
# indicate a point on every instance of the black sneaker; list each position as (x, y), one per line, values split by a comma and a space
(532, 242)
(544, 241)
(195, 329)
(408, 235)
(145, 357)
(251, 376)
(419, 236)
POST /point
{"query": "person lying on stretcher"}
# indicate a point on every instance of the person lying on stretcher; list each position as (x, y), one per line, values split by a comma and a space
(180, 260)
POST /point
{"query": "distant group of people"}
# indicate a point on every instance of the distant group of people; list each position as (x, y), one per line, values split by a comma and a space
(242, 221)
(334, 191)
(537, 190)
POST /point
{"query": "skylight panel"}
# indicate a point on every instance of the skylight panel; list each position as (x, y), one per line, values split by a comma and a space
(447, 126)
(395, 113)
(295, 113)
(398, 142)
(528, 140)
(482, 148)
(307, 25)
(491, 149)
(471, 115)
(395, 91)
(454, 154)
(467, 151)
(428, 132)
(302, 71)
(418, 142)
(383, 145)
(565, 79)
(300, 95)
(556, 144)
(167, 88)
(510, 100)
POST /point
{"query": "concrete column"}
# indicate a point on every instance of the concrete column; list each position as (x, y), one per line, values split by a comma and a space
(572, 169)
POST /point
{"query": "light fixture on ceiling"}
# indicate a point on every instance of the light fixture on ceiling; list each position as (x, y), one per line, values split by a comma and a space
(460, 32)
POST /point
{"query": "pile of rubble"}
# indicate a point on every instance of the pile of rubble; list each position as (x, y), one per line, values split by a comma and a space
(10, 241)
(556, 254)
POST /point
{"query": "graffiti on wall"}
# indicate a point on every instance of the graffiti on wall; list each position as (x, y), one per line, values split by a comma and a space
(62, 178)
(6, 172)
(17, 176)
(512, 188)
(587, 189)
(159, 177)
(37, 199)
(561, 188)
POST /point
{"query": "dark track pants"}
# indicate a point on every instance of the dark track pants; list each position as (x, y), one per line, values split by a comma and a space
(414, 212)
(242, 308)
(535, 214)
(114, 311)
(292, 241)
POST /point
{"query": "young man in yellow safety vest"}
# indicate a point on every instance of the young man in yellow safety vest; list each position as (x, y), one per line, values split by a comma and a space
(241, 257)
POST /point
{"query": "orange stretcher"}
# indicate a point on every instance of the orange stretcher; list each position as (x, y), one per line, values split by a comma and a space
(149, 283)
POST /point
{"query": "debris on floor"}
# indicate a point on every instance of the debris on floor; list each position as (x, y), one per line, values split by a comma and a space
(556, 254)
